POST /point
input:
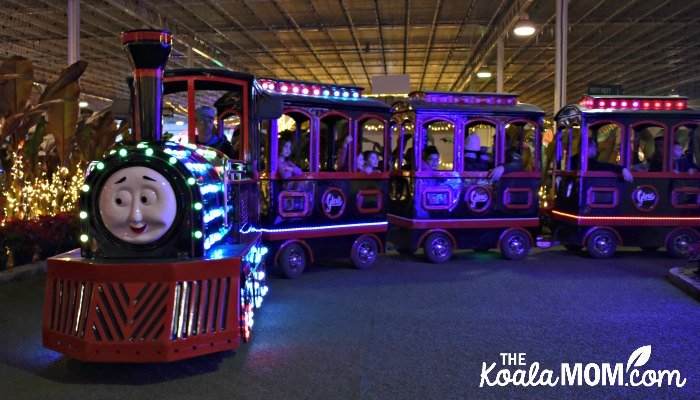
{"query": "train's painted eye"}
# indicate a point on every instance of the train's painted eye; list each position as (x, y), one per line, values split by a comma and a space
(118, 201)
(148, 197)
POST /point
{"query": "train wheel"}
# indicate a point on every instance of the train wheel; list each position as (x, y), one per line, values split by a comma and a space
(364, 253)
(438, 248)
(515, 245)
(292, 261)
(678, 242)
(573, 247)
(602, 243)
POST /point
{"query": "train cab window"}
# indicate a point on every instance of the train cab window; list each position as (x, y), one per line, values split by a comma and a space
(296, 128)
(685, 150)
(439, 134)
(479, 145)
(370, 143)
(519, 144)
(333, 131)
(607, 136)
(229, 128)
(647, 148)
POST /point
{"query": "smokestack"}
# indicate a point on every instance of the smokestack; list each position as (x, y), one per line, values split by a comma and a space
(148, 51)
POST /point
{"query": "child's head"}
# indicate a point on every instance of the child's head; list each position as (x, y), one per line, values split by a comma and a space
(285, 148)
(677, 150)
(360, 161)
(431, 156)
(371, 158)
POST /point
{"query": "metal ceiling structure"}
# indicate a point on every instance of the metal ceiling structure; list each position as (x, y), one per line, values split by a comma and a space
(648, 47)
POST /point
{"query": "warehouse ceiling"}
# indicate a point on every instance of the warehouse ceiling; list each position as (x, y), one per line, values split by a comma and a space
(647, 47)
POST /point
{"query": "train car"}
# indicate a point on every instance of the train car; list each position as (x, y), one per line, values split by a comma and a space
(324, 175)
(605, 141)
(171, 264)
(445, 192)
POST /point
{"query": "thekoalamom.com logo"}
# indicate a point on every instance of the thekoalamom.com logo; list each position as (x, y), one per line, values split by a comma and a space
(579, 374)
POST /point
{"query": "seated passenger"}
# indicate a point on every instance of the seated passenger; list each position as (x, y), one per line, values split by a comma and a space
(371, 161)
(285, 167)
(473, 158)
(204, 120)
(514, 162)
(595, 165)
(431, 159)
(683, 162)
(360, 162)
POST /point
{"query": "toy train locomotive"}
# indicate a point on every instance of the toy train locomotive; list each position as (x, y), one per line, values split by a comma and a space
(171, 265)
(176, 236)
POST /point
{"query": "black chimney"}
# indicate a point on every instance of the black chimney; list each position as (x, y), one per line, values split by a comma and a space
(148, 51)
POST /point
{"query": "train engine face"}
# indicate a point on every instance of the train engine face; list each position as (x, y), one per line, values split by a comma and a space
(157, 200)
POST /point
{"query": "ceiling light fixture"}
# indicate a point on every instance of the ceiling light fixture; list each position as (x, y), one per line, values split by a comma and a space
(483, 73)
(524, 27)
(83, 104)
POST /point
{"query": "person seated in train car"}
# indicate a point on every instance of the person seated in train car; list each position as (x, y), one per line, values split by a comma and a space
(360, 162)
(514, 161)
(595, 165)
(431, 159)
(204, 121)
(371, 161)
(473, 157)
(656, 162)
(285, 167)
(683, 161)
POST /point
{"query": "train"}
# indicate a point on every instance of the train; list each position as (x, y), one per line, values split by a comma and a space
(177, 238)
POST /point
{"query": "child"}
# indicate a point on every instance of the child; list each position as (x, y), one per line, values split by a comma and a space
(371, 159)
(682, 162)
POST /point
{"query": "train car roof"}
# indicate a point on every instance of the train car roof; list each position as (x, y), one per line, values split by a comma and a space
(631, 107)
(207, 72)
(462, 102)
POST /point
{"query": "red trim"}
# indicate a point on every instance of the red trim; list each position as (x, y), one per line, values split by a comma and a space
(359, 200)
(148, 73)
(427, 191)
(143, 36)
(582, 220)
(500, 238)
(639, 189)
(293, 193)
(342, 207)
(593, 189)
(305, 234)
(506, 198)
(467, 200)
(674, 198)
(595, 228)
(303, 244)
(333, 176)
(374, 237)
(462, 224)
(422, 238)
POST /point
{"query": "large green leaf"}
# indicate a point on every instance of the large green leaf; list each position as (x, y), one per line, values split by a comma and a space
(16, 80)
(31, 147)
(62, 120)
(63, 87)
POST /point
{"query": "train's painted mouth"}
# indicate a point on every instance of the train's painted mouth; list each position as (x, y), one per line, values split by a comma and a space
(138, 229)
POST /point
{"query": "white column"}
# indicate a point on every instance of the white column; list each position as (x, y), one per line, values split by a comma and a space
(500, 55)
(560, 54)
(73, 12)
(190, 60)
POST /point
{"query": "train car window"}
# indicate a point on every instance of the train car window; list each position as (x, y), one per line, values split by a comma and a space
(647, 148)
(333, 131)
(608, 136)
(439, 134)
(403, 152)
(479, 146)
(370, 142)
(685, 149)
(264, 129)
(296, 128)
(520, 143)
